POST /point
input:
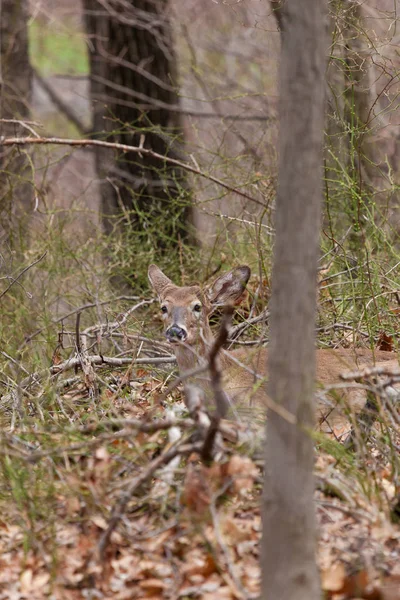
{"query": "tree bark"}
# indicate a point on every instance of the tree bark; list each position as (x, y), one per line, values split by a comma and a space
(15, 97)
(288, 545)
(135, 100)
(360, 140)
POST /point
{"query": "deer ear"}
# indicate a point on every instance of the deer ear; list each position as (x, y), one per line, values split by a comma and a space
(229, 287)
(158, 280)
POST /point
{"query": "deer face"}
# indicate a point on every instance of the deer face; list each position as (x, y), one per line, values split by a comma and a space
(185, 310)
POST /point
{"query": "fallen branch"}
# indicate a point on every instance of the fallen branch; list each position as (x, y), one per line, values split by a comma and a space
(112, 361)
(370, 372)
(132, 426)
(71, 363)
(121, 504)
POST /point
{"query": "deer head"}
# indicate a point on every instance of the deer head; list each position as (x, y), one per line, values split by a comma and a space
(186, 310)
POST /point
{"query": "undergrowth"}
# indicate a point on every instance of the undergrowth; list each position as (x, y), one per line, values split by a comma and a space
(78, 437)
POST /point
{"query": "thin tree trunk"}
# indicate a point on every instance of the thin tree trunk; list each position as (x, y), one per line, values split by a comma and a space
(15, 96)
(288, 545)
(360, 140)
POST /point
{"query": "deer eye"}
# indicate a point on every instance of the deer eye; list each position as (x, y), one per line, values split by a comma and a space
(197, 308)
(164, 309)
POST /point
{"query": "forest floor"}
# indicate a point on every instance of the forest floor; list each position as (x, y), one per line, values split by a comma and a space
(85, 511)
(88, 509)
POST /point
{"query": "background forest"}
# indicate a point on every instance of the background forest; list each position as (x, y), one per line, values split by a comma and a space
(135, 132)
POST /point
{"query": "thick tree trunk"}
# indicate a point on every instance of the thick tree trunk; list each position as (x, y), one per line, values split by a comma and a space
(288, 545)
(15, 96)
(133, 87)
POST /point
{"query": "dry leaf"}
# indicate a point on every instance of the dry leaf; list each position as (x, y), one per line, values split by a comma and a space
(332, 579)
(196, 490)
(26, 580)
(56, 359)
(385, 342)
(356, 585)
(223, 593)
(40, 581)
(152, 586)
(99, 521)
(236, 530)
(243, 472)
(390, 589)
(102, 453)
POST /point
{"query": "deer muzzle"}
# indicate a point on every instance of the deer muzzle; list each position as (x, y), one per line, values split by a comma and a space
(175, 334)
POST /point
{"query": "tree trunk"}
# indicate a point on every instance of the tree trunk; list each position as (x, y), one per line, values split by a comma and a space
(134, 94)
(288, 545)
(358, 128)
(15, 96)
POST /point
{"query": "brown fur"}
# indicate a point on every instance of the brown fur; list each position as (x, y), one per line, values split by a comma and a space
(245, 370)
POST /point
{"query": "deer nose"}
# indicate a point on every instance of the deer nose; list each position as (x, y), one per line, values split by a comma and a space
(175, 334)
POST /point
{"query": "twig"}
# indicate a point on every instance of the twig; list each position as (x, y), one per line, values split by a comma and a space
(133, 425)
(351, 512)
(76, 310)
(143, 426)
(234, 331)
(110, 327)
(77, 333)
(25, 124)
(270, 230)
(24, 141)
(78, 338)
(35, 262)
(15, 362)
(120, 506)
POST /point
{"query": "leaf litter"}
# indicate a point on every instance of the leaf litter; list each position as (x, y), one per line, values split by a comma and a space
(199, 539)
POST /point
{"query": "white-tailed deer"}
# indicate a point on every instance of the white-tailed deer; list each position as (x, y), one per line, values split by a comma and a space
(186, 311)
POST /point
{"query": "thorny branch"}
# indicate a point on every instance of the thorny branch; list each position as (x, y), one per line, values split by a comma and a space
(15, 280)
(25, 141)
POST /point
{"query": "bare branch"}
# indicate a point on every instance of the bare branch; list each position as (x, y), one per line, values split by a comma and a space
(76, 310)
(112, 361)
(120, 506)
(35, 262)
(25, 124)
(25, 141)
